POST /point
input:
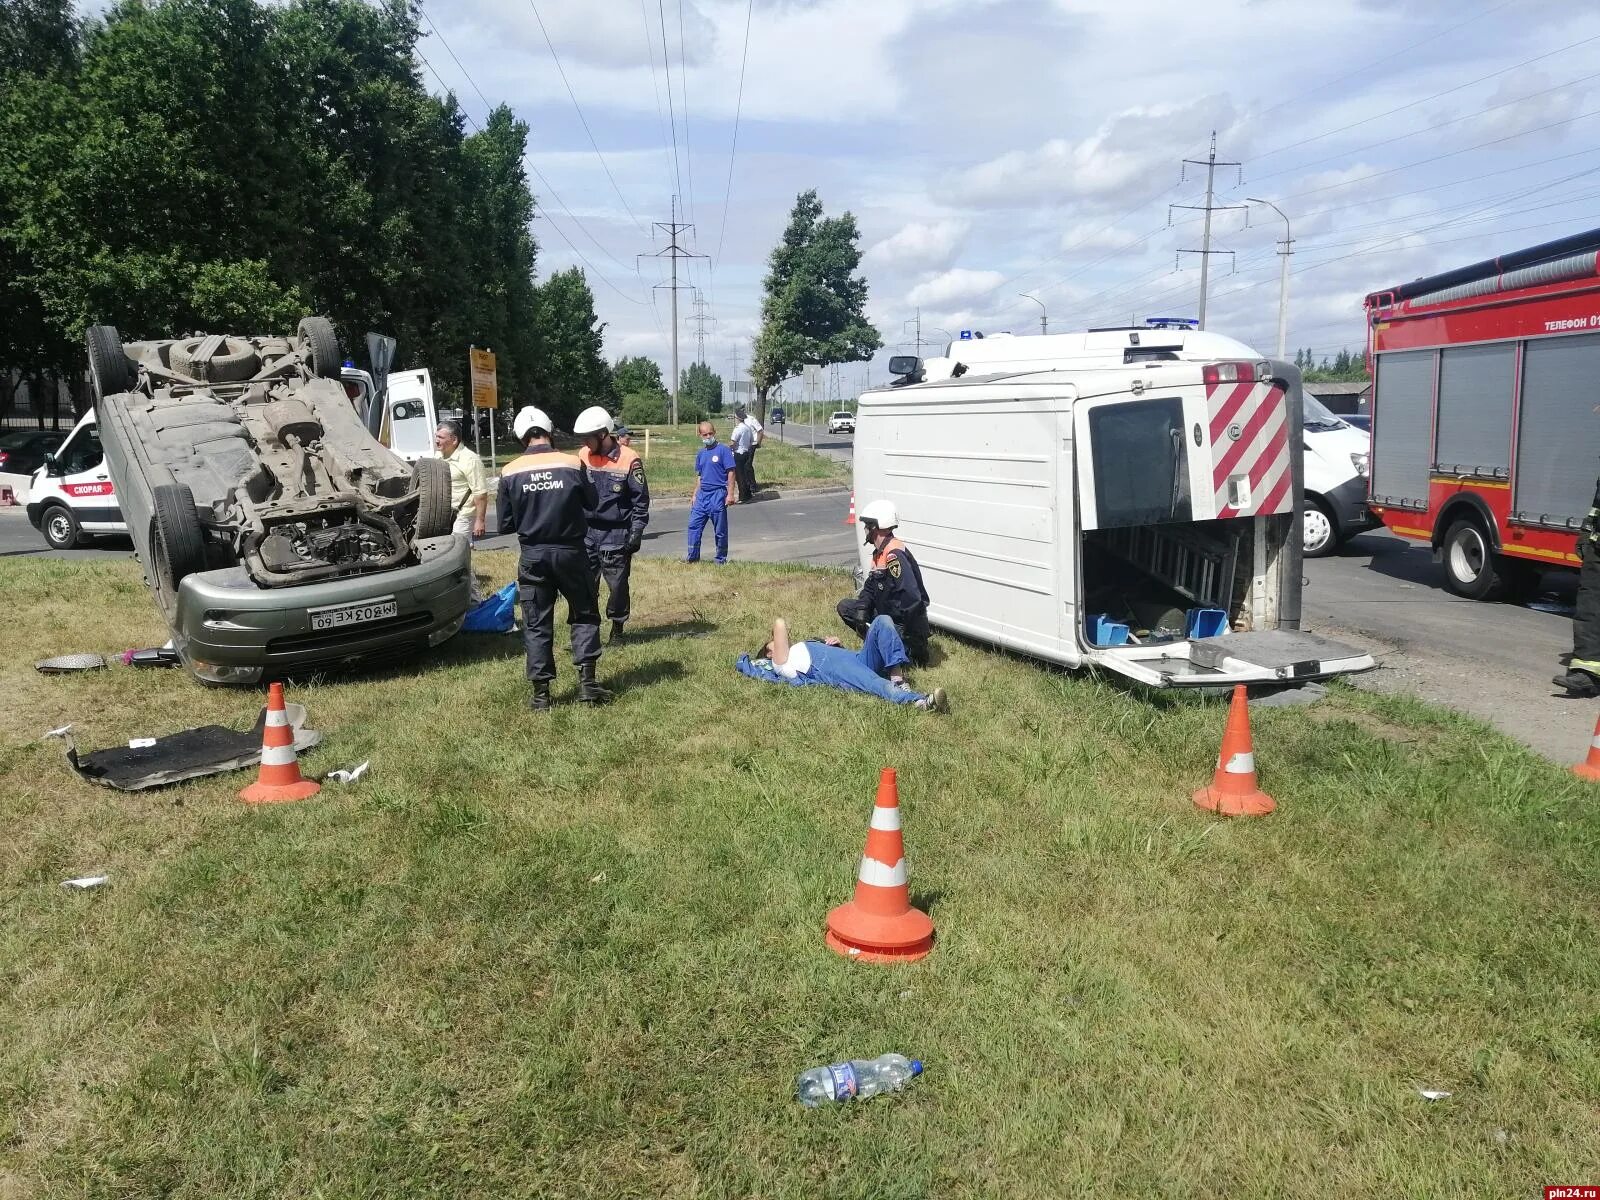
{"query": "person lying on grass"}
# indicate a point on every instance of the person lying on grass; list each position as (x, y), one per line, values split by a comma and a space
(877, 669)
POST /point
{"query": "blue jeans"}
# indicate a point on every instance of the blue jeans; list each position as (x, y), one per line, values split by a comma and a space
(713, 505)
(861, 670)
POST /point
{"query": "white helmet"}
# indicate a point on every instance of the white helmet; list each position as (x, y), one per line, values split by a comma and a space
(593, 419)
(529, 419)
(880, 513)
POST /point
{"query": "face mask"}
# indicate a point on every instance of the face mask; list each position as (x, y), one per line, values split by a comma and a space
(708, 442)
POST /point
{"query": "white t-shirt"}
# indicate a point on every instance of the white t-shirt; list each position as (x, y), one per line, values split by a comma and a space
(799, 661)
(744, 434)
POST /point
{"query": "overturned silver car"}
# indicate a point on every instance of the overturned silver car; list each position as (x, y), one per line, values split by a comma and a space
(276, 532)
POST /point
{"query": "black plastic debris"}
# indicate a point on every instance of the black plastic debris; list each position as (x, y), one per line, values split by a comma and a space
(190, 754)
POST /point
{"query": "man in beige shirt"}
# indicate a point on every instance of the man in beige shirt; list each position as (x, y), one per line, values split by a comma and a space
(469, 490)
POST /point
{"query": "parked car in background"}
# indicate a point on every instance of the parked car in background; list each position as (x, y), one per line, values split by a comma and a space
(842, 422)
(21, 454)
(1336, 455)
(276, 531)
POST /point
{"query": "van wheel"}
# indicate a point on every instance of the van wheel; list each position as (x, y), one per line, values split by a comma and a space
(321, 344)
(176, 542)
(1321, 536)
(61, 528)
(1471, 567)
(435, 517)
(109, 369)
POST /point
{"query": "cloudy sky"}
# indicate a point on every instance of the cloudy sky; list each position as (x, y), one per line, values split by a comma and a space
(990, 148)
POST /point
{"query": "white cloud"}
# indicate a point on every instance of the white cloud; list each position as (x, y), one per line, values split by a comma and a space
(1121, 160)
(955, 286)
(920, 246)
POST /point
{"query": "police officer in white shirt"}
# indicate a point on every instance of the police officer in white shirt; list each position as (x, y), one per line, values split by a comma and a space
(746, 436)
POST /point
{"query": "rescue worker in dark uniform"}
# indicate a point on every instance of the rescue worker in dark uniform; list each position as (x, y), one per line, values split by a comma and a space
(620, 513)
(544, 495)
(894, 587)
(1582, 679)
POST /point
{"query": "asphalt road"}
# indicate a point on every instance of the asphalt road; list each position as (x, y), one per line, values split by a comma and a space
(840, 446)
(1382, 593)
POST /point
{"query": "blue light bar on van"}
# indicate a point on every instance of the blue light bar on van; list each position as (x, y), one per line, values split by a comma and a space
(1172, 322)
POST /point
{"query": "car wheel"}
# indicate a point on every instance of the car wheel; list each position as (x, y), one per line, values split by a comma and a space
(60, 527)
(1471, 567)
(229, 361)
(321, 344)
(176, 541)
(1321, 533)
(435, 517)
(109, 369)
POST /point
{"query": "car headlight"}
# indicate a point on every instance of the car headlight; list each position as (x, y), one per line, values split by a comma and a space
(223, 673)
(1359, 462)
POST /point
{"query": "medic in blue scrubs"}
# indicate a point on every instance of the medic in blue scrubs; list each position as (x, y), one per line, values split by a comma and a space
(713, 464)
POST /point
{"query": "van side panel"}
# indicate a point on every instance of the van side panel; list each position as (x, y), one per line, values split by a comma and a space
(976, 480)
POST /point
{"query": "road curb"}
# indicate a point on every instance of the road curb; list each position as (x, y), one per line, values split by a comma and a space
(763, 495)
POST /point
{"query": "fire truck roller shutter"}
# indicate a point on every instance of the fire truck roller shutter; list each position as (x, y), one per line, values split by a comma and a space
(1475, 388)
(1402, 427)
(1559, 430)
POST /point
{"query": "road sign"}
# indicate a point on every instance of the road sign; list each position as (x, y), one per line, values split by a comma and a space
(484, 393)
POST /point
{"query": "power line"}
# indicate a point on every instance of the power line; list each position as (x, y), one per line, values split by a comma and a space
(1426, 99)
(733, 149)
(540, 208)
(1430, 129)
(672, 112)
(581, 118)
(683, 76)
(487, 107)
(667, 147)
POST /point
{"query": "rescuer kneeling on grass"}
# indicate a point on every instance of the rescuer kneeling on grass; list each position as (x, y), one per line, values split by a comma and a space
(1583, 669)
(894, 586)
(877, 669)
(544, 495)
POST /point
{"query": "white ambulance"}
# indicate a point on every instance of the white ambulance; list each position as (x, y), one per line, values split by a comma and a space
(1122, 498)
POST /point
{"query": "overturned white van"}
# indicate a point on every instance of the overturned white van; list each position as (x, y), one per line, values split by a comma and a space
(1106, 498)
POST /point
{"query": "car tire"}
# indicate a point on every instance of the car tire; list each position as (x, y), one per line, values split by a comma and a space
(176, 542)
(60, 528)
(110, 372)
(435, 517)
(1471, 567)
(234, 361)
(321, 346)
(1321, 532)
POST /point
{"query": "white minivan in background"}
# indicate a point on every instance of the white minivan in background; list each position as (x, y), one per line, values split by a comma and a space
(1336, 480)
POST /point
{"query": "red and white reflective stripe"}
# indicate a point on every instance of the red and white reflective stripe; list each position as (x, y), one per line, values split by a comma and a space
(277, 756)
(1260, 454)
(877, 874)
(1241, 764)
(884, 817)
(277, 716)
(1594, 742)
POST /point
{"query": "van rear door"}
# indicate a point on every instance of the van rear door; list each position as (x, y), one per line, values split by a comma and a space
(1163, 467)
(409, 424)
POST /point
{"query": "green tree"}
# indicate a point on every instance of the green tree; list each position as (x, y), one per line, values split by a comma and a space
(813, 309)
(701, 387)
(571, 372)
(636, 375)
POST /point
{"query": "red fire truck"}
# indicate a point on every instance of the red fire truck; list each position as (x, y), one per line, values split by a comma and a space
(1485, 438)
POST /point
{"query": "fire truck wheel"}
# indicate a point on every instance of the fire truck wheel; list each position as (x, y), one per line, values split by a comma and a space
(1471, 567)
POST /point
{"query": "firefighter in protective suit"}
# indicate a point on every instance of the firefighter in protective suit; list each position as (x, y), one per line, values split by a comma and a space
(1582, 679)
(544, 496)
(620, 513)
(894, 587)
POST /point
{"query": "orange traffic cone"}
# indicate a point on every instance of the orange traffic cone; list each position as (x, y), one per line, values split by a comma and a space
(851, 519)
(1589, 768)
(880, 925)
(280, 778)
(1233, 791)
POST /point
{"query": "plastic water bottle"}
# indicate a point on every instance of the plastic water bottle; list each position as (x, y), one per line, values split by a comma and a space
(855, 1080)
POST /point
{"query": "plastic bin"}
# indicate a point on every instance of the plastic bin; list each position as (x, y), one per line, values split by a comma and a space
(1206, 623)
(1103, 631)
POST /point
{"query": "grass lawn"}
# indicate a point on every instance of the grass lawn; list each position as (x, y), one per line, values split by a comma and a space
(581, 955)
(670, 467)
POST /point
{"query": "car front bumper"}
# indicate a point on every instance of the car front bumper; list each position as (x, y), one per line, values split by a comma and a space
(1349, 504)
(230, 630)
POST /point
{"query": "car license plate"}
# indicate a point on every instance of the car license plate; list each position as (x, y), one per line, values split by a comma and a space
(338, 616)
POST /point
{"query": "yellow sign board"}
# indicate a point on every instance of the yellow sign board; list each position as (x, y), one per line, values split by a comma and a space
(484, 394)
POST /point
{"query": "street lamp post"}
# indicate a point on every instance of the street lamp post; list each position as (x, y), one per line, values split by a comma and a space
(1044, 315)
(1283, 275)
